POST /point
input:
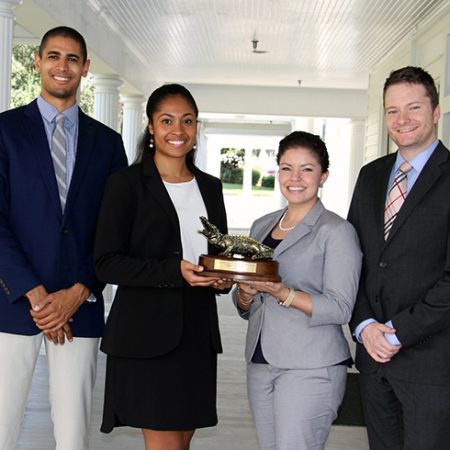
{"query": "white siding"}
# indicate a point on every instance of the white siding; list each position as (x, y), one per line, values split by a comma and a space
(429, 48)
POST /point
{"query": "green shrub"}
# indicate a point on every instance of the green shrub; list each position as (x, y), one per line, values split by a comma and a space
(256, 175)
(268, 181)
(233, 175)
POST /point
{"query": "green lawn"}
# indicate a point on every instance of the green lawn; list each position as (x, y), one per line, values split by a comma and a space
(236, 189)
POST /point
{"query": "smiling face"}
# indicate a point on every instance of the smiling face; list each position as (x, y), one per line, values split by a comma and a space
(300, 175)
(174, 128)
(61, 67)
(410, 118)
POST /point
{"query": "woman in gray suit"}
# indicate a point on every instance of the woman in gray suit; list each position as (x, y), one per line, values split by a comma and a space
(296, 351)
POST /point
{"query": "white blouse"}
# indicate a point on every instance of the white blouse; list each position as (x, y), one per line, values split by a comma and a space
(189, 205)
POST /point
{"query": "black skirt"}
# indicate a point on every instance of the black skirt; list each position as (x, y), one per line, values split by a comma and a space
(175, 391)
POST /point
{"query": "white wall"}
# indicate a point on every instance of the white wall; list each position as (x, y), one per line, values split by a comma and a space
(428, 47)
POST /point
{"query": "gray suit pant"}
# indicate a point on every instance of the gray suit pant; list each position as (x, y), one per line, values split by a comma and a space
(293, 409)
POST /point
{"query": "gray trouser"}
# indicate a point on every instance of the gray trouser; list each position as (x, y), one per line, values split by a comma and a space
(293, 409)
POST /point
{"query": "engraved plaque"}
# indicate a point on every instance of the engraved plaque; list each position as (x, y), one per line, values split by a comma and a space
(239, 269)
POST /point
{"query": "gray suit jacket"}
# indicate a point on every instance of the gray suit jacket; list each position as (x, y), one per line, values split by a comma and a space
(322, 257)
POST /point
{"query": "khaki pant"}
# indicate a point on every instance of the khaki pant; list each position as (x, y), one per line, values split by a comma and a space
(72, 369)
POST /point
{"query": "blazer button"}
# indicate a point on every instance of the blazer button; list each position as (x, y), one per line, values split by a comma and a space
(64, 231)
(382, 264)
(176, 252)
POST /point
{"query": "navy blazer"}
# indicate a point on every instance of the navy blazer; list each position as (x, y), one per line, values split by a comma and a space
(39, 244)
(138, 247)
(407, 278)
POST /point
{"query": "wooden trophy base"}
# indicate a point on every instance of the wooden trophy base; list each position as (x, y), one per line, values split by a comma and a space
(239, 269)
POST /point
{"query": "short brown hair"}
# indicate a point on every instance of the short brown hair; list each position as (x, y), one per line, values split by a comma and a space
(413, 75)
(307, 140)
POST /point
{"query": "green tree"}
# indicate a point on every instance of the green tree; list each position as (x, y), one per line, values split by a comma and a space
(25, 81)
(26, 84)
(231, 165)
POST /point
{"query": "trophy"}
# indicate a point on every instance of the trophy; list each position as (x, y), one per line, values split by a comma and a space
(242, 258)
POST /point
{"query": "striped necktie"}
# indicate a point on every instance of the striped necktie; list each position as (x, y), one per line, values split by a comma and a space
(396, 197)
(59, 157)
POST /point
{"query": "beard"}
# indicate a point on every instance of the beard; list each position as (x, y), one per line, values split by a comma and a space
(62, 93)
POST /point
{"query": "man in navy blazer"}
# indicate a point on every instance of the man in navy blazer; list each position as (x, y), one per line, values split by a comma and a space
(402, 314)
(48, 289)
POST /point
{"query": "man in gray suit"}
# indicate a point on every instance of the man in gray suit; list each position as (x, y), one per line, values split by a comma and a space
(401, 211)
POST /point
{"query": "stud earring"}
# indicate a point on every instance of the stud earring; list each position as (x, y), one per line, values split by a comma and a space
(194, 147)
(151, 143)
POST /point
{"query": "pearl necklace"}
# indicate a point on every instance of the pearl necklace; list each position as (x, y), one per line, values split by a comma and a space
(280, 224)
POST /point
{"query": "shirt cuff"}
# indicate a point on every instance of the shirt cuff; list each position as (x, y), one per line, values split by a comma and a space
(361, 327)
(391, 338)
(92, 298)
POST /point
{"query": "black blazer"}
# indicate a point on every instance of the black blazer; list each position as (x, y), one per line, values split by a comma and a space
(407, 278)
(138, 247)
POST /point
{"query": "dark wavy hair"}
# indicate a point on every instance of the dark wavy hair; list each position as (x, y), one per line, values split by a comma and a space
(413, 75)
(66, 32)
(153, 104)
(307, 140)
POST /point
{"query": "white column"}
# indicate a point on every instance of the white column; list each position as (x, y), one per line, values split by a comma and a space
(335, 194)
(202, 153)
(6, 38)
(106, 110)
(133, 123)
(106, 99)
(211, 163)
(356, 151)
(247, 182)
(303, 124)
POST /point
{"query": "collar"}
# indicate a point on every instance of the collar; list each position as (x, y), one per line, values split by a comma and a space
(419, 161)
(49, 112)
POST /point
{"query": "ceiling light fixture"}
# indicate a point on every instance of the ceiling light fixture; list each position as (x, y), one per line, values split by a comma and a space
(255, 47)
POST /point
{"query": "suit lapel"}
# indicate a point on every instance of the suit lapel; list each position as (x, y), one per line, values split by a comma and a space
(39, 145)
(265, 225)
(209, 195)
(155, 185)
(301, 230)
(427, 178)
(85, 149)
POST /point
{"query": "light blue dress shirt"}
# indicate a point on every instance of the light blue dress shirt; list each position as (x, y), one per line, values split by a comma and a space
(48, 113)
(418, 163)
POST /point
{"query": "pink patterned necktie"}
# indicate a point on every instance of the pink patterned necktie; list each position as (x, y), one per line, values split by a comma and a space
(396, 197)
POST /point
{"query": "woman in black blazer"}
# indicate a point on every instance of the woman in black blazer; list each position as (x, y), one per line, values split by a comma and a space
(162, 334)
